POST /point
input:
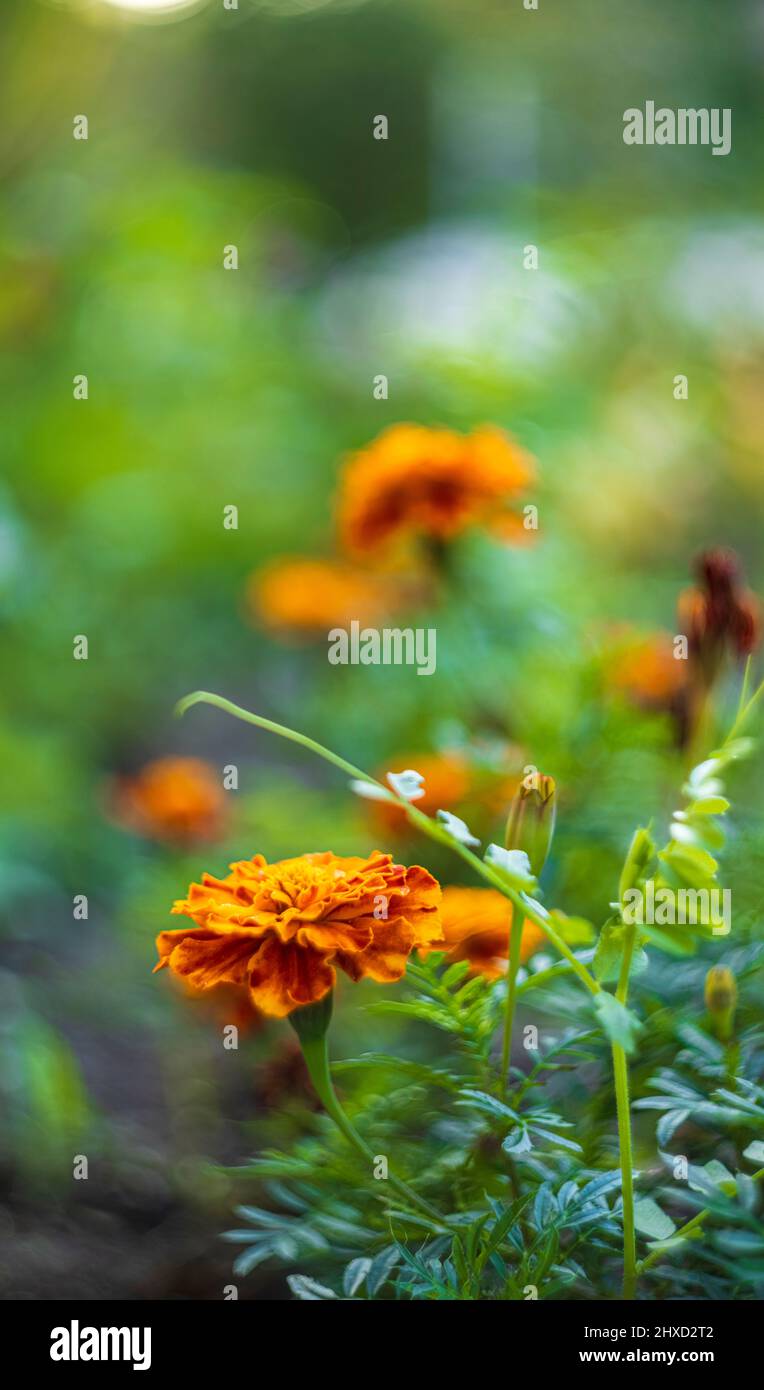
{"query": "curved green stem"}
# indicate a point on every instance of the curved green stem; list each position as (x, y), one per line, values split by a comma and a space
(316, 1054)
(513, 964)
(205, 697)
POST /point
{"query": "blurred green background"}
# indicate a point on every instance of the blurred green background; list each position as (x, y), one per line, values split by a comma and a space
(209, 388)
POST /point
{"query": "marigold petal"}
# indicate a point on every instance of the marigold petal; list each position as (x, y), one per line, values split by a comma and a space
(206, 958)
(286, 977)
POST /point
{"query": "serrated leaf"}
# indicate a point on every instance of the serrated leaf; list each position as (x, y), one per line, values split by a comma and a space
(651, 1221)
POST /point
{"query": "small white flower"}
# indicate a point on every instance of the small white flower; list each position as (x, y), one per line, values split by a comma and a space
(457, 828)
(409, 784)
(513, 864)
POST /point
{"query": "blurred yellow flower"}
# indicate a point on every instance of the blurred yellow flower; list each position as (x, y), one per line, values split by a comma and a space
(431, 482)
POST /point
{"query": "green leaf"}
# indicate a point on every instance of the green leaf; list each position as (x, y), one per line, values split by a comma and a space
(518, 1142)
(309, 1290)
(651, 1221)
(354, 1275)
(607, 957)
(381, 1268)
(708, 806)
(575, 931)
(619, 1023)
(711, 1176)
(755, 1151)
(694, 866)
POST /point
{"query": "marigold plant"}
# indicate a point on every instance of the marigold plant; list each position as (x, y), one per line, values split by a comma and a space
(520, 1203)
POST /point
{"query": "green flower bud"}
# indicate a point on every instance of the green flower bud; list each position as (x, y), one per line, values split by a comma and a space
(721, 1000)
(640, 853)
(530, 825)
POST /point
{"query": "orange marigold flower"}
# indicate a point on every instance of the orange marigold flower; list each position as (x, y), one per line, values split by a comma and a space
(174, 799)
(282, 930)
(645, 669)
(434, 482)
(303, 595)
(476, 924)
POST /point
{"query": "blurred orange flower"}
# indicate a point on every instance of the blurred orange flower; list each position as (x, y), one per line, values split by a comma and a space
(303, 595)
(476, 924)
(644, 668)
(226, 1005)
(176, 799)
(719, 615)
(434, 482)
(279, 930)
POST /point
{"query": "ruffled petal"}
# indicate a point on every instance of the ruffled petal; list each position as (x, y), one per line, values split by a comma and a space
(283, 977)
(206, 958)
(385, 958)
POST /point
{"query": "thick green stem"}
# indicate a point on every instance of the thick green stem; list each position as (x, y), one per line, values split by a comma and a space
(513, 964)
(621, 1075)
(316, 1054)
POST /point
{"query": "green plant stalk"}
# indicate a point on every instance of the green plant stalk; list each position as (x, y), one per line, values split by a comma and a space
(316, 1054)
(621, 1076)
(686, 1230)
(513, 965)
(623, 1112)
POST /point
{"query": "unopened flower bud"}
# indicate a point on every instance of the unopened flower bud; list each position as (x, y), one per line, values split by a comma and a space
(532, 815)
(721, 1000)
(641, 851)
